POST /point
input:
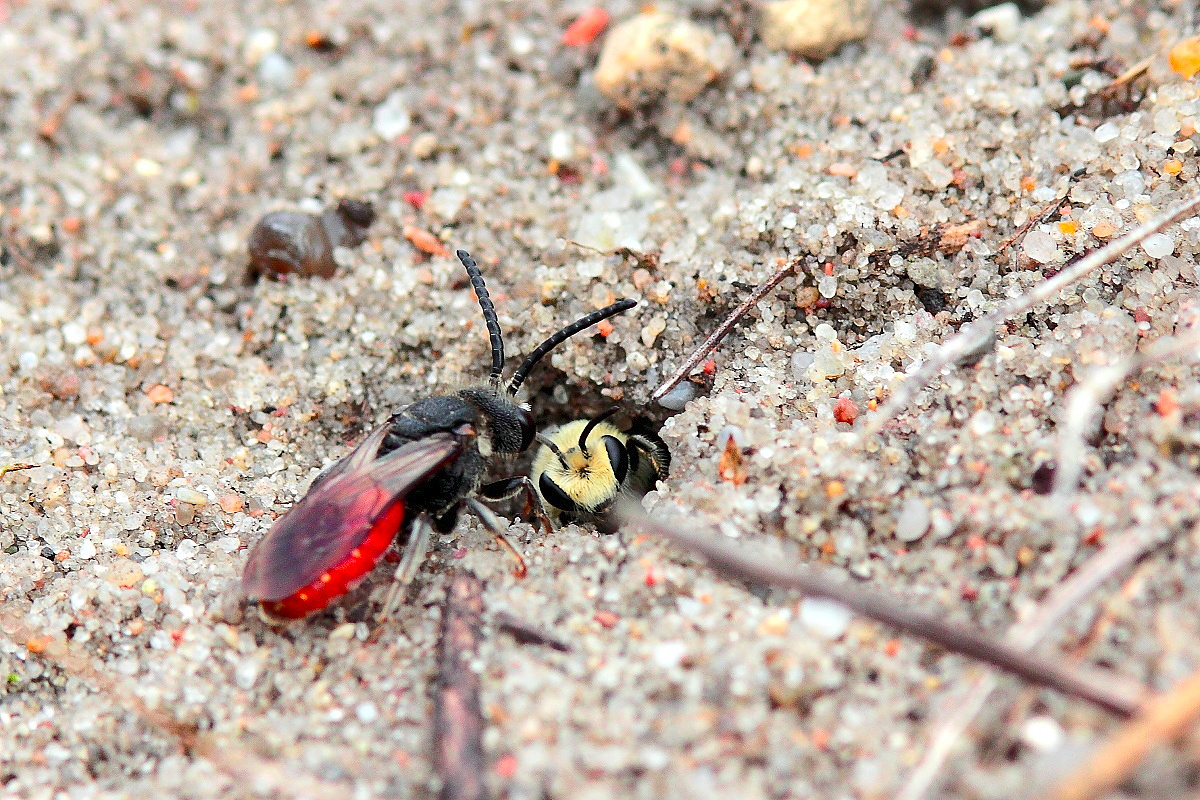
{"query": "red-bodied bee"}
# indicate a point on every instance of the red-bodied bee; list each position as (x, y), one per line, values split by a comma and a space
(410, 476)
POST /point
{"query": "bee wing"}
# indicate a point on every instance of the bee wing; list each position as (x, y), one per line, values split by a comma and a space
(338, 512)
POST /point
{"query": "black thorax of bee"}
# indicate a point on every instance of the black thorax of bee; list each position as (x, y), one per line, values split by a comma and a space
(502, 425)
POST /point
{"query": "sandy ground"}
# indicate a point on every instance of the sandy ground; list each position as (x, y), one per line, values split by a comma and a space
(174, 410)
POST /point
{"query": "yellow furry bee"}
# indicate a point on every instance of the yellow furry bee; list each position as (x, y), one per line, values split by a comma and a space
(583, 466)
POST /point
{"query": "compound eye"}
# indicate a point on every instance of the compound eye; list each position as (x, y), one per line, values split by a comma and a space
(618, 456)
(556, 496)
(527, 428)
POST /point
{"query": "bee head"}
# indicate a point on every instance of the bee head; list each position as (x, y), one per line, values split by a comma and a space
(582, 466)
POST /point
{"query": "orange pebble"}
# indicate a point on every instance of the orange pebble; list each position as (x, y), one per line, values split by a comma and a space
(606, 619)
(159, 394)
(584, 30)
(845, 410)
(425, 241)
(1184, 57)
(506, 765)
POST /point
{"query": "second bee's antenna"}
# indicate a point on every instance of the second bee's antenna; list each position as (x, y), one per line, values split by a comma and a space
(489, 314)
(591, 426)
(566, 333)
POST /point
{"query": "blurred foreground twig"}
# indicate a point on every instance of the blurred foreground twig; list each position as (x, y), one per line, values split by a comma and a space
(1106, 690)
(1164, 719)
(1123, 551)
(1084, 402)
(457, 715)
(252, 775)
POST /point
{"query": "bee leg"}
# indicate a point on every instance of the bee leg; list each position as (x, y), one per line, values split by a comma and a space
(510, 487)
(496, 528)
(414, 553)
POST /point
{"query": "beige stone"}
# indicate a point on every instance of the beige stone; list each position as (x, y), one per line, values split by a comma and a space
(814, 28)
(656, 55)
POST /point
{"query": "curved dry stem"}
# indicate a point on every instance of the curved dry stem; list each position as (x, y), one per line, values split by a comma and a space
(969, 340)
(1086, 400)
(1124, 551)
(1109, 691)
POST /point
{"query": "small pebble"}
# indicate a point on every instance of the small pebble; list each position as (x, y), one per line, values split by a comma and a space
(74, 333)
(657, 55)
(845, 410)
(1042, 733)
(391, 117)
(825, 618)
(260, 42)
(229, 544)
(246, 673)
(913, 520)
(366, 712)
(679, 396)
(669, 654)
(159, 394)
(1041, 247)
(1159, 245)
(148, 427)
(297, 243)
(276, 71)
(584, 30)
(813, 28)
(188, 495)
(1184, 57)
(1002, 21)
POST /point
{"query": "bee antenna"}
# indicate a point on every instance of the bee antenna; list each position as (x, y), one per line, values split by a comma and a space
(554, 449)
(566, 333)
(592, 423)
(489, 314)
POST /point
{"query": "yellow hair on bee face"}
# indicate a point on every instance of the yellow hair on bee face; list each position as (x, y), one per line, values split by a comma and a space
(588, 480)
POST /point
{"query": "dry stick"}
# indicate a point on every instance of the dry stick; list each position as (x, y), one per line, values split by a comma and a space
(1163, 720)
(1044, 214)
(457, 715)
(1124, 550)
(722, 331)
(1086, 399)
(526, 632)
(1104, 689)
(252, 776)
(971, 337)
(15, 466)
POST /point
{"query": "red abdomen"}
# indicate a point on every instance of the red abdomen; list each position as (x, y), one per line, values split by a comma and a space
(349, 572)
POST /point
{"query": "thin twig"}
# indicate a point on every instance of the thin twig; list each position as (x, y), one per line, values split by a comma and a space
(252, 775)
(527, 633)
(722, 331)
(969, 338)
(1163, 720)
(15, 466)
(457, 715)
(1104, 689)
(1044, 214)
(1124, 550)
(1085, 401)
